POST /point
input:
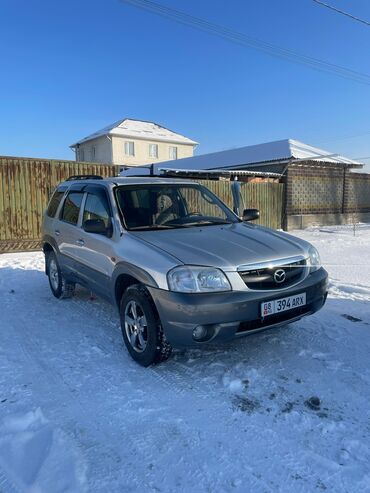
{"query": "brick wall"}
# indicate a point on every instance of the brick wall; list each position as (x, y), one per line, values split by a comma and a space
(320, 189)
(357, 192)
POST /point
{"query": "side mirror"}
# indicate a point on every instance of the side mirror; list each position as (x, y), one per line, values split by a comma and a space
(96, 226)
(250, 214)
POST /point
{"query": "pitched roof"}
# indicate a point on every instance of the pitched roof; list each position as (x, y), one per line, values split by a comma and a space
(260, 154)
(140, 130)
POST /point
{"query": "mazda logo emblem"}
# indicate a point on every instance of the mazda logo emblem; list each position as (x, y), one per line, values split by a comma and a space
(279, 276)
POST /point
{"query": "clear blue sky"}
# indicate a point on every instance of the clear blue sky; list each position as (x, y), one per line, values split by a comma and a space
(71, 67)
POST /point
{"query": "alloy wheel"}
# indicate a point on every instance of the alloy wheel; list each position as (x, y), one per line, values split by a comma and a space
(54, 274)
(136, 326)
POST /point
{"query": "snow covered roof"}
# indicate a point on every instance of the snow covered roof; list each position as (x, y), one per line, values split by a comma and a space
(217, 172)
(260, 154)
(137, 129)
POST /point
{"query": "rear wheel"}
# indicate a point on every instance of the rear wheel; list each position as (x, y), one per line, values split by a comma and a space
(59, 286)
(141, 327)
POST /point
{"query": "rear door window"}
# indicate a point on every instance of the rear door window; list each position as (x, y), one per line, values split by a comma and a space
(54, 203)
(71, 207)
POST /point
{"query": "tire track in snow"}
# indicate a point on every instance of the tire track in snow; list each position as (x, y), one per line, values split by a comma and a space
(339, 289)
(6, 485)
(173, 373)
(176, 375)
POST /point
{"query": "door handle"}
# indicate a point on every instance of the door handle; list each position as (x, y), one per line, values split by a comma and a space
(80, 242)
(57, 232)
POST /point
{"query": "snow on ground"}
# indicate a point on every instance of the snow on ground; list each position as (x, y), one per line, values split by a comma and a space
(78, 415)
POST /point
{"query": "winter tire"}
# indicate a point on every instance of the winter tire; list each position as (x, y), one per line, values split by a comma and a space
(59, 286)
(141, 327)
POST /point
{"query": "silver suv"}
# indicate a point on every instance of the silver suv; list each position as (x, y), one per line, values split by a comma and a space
(181, 267)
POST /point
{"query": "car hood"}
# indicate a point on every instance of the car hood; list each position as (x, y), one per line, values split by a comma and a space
(227, 246)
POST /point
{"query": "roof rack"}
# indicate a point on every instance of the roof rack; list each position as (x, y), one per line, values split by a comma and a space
(85, 177)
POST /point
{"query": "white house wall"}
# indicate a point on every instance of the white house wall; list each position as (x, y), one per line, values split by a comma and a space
(142, 151)
(103, 151)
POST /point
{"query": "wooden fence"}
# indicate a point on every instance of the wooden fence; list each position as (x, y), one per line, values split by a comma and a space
(267, 197)
(26, 186)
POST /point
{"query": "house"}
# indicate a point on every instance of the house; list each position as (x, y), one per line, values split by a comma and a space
(130, 142)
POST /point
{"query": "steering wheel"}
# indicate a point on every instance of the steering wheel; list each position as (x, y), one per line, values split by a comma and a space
(190, 214)
(182, 219)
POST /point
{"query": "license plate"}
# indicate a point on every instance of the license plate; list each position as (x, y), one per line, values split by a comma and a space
(282, 304)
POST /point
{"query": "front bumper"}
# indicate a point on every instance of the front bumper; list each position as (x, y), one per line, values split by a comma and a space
(231, 314)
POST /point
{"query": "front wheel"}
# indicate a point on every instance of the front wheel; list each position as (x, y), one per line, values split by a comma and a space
(141, 327)
(59, 286)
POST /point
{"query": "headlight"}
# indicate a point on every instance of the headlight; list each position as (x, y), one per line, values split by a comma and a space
(314, 260)
(193, 279)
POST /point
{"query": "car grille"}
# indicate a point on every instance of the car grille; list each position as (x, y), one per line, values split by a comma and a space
(280, 275)
(260, 323)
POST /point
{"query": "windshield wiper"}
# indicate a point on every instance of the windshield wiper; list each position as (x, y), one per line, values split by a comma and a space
(205, 222)
(154, 227)
(208, 223)
(150, 227)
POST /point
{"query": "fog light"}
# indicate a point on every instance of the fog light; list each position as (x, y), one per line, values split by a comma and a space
(199, 333)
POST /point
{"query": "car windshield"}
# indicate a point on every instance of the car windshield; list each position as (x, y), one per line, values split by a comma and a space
(149, 207)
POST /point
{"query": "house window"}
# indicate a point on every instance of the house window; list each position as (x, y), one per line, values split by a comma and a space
(130, 148)
(153, 150)
(173, 152)
(93, 153)
(82, 155)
